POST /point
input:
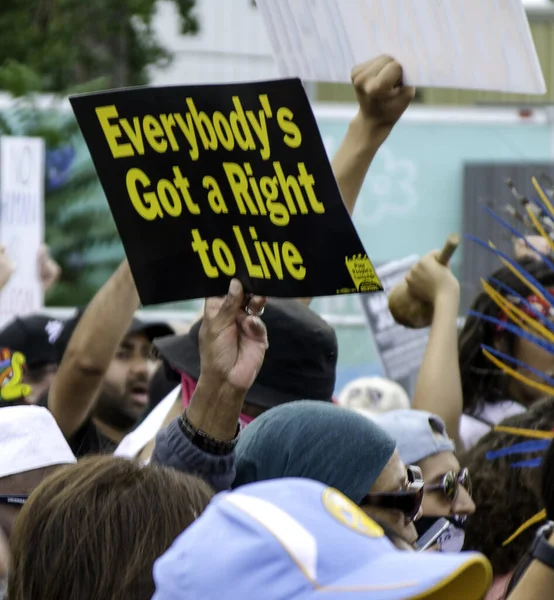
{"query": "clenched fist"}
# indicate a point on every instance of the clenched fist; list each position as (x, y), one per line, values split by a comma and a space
(380, 92)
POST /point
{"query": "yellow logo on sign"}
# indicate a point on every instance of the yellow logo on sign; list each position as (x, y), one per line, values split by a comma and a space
(364, 277)
(348, 514)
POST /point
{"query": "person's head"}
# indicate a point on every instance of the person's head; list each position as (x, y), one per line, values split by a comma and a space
(421, 439)
(482, 381)
(102, 522)
(373, 395)
(35, 337)
(332, 445)
(300, 362)
(32, 447)
(547, 475)
(296, 539)
(507, 488)
(124, 394)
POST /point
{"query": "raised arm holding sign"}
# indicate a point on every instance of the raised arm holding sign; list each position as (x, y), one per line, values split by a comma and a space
(212, 182)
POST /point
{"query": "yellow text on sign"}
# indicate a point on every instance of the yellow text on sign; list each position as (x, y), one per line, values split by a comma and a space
(271, 259)
(277, 197)
(195, 129)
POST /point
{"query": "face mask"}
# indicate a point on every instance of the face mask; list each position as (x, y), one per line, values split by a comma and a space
(452, 540)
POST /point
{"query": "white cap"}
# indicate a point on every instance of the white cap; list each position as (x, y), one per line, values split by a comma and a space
(374, 395)
(30, 439)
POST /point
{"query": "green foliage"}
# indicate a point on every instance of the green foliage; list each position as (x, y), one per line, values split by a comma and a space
(66, 42)
(65, 47)
(79, 226)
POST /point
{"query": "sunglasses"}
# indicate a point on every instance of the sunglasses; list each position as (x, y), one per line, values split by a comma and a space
(408, 502)
(450, 484)
(14, 499)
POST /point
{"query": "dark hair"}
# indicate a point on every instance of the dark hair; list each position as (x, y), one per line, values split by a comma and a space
(548, 482)
(481, 380)
(548, 500)
(505, 497)
(94, 529)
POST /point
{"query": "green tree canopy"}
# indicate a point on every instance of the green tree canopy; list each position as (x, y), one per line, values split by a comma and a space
(68, 42)
(65, 47)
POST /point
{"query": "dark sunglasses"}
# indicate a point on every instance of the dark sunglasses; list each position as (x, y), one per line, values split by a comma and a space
(450, 484)
(408, 502)
(14, 499)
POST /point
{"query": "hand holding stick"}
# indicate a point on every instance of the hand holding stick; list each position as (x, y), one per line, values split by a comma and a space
(409, 310)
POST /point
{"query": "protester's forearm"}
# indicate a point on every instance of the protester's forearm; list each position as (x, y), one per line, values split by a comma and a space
(352, 162)
(91, 349)
(354, 157)
(537, 582)
(439, 388)
(215, 409)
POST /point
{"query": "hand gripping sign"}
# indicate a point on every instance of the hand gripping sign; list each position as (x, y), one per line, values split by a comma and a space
(211, 182)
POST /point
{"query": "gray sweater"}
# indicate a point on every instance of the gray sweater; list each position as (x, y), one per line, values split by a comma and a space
(174, 449)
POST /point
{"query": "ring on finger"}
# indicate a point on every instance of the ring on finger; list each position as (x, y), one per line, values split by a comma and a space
(254, 313)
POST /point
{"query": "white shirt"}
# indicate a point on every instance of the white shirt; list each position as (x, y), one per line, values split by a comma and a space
(472, 429)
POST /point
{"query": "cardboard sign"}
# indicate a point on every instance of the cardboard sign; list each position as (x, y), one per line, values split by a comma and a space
(484, 45)
(400, 349)
(21, 223)
(211, 182)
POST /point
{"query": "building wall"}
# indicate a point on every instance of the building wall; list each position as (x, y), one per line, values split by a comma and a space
(231, 46)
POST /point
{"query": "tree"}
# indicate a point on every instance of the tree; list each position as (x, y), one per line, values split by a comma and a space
(69, 42)
(70, 46)
(79, 227)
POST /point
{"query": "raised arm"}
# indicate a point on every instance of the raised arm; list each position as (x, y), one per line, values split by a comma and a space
(439, 387)
(232, 350)
(91, 349)
(382, 99)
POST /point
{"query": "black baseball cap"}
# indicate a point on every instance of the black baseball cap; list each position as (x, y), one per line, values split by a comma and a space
(150, 329)
(299, 364)
(35, 336)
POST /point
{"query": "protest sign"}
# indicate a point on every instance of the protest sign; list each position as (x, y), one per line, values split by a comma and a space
(211, 182)
(484, 45)
(400, 349)
(21, 223)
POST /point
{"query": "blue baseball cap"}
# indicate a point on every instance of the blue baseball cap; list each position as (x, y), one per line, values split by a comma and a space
(291, 539)
(418, 434)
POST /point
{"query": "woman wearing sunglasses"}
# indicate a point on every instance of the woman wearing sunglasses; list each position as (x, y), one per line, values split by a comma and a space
(340, 448)
(422, 440)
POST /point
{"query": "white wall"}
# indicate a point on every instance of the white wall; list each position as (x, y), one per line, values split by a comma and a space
(231, 46)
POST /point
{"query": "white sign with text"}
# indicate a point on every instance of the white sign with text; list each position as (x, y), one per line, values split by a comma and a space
(21, 223)
(464, 44)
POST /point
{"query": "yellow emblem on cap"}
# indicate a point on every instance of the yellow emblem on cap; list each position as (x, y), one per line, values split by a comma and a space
(348, 514)
(11, 376)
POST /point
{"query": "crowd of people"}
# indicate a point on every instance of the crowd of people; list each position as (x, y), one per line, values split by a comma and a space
(219, 464)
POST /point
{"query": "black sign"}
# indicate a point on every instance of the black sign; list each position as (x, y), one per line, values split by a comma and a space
(215, 181)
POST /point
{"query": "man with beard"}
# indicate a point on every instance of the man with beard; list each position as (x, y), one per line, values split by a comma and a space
(101, 388)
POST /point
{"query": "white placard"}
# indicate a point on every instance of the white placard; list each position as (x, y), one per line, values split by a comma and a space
(465, 44)
(21, 222)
